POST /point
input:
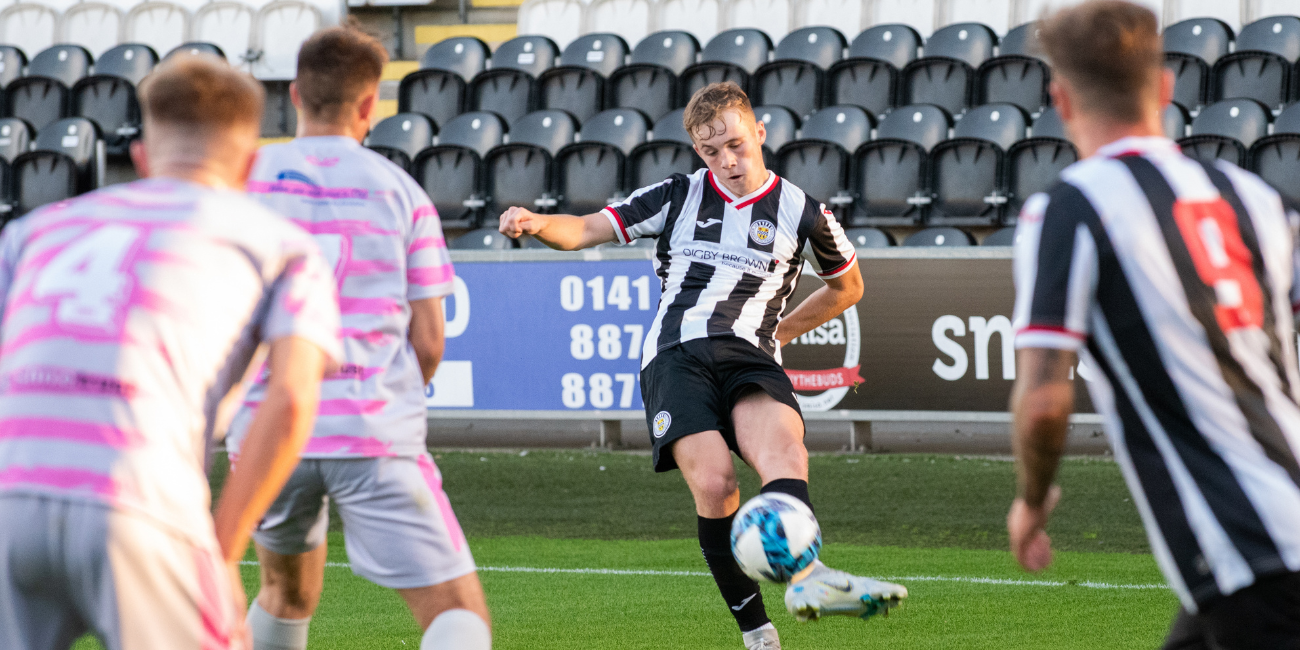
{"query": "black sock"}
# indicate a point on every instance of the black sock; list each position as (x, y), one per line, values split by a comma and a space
(792, 486)
(738, 590)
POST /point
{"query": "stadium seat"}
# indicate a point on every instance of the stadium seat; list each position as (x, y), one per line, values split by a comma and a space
(732, 55)
(994, 14)
(28, 26)
(519, 173)
(966, 171)
(16, 137)
(93, 25)
(508, 87)
(228, 26)
(483, 239)
(939, 237)
(1013, 79)
(818, 162)
(869, 83)
(108, 97)
(1001, 237)
(889, 173)
(1279, 35)
(1191, 78)
(402, 137)
(196, 47)
(771, 16)
(869, 237)
(649, 81)
(577, 85)
(971, 43)
(1021, 41)
(451, 171)
(782, 126)
(920, 15)
(1226, 129)
(41, 97)
(703, 18)
(162, 26)
(795, 78)
(628, 19)
(1276, 158)
(895, 44)
(591, 171)
(1176, 120)
(1034, 165)
(1204, 38)
(531, 54)
(558, 20)
(851, 16)
(438, 88)
(668, 152)
(67, 159)
(1262, 76)
(12, 62)
(942, 81)
(1048, 125)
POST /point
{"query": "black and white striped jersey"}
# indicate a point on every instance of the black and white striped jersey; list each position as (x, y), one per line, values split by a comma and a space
(1176, 281)
(727, 264)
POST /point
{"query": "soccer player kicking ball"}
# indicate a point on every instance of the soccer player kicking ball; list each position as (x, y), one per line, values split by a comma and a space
(128, 314)
(730, 239)
(367, 454)
(1175, 280)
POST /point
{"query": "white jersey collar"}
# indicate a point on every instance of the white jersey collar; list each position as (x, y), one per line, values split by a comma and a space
(748, 199)
(1137, 145)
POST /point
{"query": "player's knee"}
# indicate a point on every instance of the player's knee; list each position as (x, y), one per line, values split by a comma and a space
(287, 600)
(716, 488)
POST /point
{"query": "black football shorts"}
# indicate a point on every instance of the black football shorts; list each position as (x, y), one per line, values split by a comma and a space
(693, 386)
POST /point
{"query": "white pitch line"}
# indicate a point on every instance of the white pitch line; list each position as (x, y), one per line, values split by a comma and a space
(1088, 584)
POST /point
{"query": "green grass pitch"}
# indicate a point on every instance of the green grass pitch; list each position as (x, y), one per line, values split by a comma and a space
(935, 522)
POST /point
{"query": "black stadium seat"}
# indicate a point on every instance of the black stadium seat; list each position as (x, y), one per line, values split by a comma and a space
(1277, 34)
(818, 162)
(1048, 124)
(1021, 40)
(109, 98)
(890, 173)
(12, 62)
(1001, 237)
(41, 97)
(1191, 78)
(668, 152)
(945, 76)
(782, 126)
(1276, 158)
(483, 239)
(795, 78)
(509, 86)
(1014, 79)
(1205, 38)
(577, 85)
(869, 237)
(67, 159)
(16, 137)
(895, 44)
(1034, 165)
(402, 137)
(1226, 130)
(1262, 76)
(966, 171)
(1176, 120)
(591, 171)
(948, 237)
(196, 47)
(649, 80)
(732, 55)
(971, 43)
(520, 171)
(531, 54)
(438, 88)
(601, 52)
(451, 171)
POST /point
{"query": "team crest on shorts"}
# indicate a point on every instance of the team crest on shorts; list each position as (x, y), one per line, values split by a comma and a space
(662, 421)
(762, 232)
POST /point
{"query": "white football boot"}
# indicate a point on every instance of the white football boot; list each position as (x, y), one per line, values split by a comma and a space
(825, 592)
(763, 638)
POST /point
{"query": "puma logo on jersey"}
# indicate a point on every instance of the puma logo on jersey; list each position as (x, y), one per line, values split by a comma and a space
(708, 224)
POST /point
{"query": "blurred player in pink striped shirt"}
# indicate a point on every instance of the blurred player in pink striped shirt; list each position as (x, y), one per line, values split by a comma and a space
(128, 314)
(380, 232)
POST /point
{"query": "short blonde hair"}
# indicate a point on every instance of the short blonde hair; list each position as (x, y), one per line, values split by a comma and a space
(709, 103)
(1111, 53)
(201, 92)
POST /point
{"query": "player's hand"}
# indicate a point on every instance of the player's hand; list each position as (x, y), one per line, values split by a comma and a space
(1029, 542)
(517, 221)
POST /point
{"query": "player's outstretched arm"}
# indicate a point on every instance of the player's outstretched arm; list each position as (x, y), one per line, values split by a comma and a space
(275, 438)
(1041, 403)
(427, 334)
(839, 294)
(559, 231)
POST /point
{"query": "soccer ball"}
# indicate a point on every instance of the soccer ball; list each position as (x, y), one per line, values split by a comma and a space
(774, 537)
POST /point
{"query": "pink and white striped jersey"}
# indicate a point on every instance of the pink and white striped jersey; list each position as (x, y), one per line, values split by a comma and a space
(128, 314)
(380, 232)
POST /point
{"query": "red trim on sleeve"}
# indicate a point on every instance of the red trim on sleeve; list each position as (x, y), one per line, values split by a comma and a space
(619, 218)
(717, 189)
(839, 269)
(1051, 329)
(775, 179)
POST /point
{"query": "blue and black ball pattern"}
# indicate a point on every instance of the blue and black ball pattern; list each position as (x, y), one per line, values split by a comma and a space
(784, 564)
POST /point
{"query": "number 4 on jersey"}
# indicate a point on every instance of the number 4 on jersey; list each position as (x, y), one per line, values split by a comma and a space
(87, 278)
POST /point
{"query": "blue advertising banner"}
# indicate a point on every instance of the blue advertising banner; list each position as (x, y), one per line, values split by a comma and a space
(562, 335)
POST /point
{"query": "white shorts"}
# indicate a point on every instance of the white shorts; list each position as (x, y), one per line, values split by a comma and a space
(398, 526)
(68, 567)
